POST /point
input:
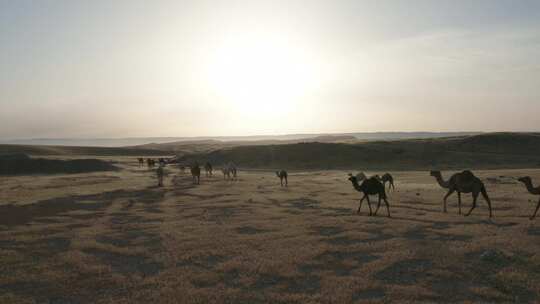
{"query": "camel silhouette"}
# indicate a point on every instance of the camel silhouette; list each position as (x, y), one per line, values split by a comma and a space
(463, 182)
(370, 186)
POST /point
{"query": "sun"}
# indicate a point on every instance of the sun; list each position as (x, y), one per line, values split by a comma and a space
(261, 76)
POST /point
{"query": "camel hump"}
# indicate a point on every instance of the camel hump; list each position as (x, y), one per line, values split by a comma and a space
(467, 175)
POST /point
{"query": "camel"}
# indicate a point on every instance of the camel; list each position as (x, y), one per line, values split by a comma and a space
(150, 162)
(196, 173)
(228, 170)
(208, 169)
(369, 187)
(226, 173)
(463, 182)
(141, 161)
(282, 175)
(386, 178)
(160, 172)
(532, 190)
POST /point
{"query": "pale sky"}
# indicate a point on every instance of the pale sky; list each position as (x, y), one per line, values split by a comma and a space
(209, 68)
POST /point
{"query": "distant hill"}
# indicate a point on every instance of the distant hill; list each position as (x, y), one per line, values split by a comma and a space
(200, 146)
(13, 164)
(65, 150)
(138, 141)
(490, 150)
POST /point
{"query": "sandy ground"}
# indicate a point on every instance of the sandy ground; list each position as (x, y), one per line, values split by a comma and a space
(116, 238)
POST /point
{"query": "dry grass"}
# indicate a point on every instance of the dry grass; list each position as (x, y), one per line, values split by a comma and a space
(115, 238)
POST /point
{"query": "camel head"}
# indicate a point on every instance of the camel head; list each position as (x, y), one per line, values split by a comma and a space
(524, 179)
(353, 178)
(435, 173)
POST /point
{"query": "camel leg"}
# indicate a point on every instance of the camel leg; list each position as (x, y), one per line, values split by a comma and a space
(378, 205)
(286, 182)
(445, 197)
(369, 205)
(475, 197)
(360, 205)
(488, 201)
(459, 201)
(536, 210)
(387, 207)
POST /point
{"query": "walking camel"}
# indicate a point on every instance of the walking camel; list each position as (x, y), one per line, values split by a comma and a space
(208, 169)
(226, 173)
(532, 190)
(463, 182)
(196, 173)
(282, 175)
(229, 170)
(370, 186)
(141, 161)
(160, 172)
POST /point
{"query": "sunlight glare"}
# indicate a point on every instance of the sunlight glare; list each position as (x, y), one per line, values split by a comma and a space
(260, 75)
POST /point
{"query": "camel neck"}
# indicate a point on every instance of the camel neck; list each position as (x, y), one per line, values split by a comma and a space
(531, 188)
(356, 186)
(441, 181)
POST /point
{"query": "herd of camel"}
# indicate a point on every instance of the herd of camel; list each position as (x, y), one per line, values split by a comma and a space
(461, 182)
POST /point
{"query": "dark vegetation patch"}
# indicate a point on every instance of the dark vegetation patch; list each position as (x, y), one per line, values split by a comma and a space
(305, 284)
(377, 236)
(423, 233)
(13, 215)
(327, 230)
(483, 266)
(335, 261)
(368, 294)
(218, 214)
(303, 203)
(23, 164)
(34, 289)
(533, 231)
(126, 264)
(206, 262)
(406, 272)
(250, 230)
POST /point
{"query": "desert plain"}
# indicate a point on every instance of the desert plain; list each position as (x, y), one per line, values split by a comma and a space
(115, 237)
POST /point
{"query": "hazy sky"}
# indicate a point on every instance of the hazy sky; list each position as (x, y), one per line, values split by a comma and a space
(188, 68)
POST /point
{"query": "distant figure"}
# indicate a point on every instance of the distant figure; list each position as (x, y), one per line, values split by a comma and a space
(232, 170)
(150, 162)
(463, 182)
(141, 161)
(226, 173)
(229, 170)
(160, 172)
(196, 173)
(162, 162)
(282, 175)
(208, 169)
